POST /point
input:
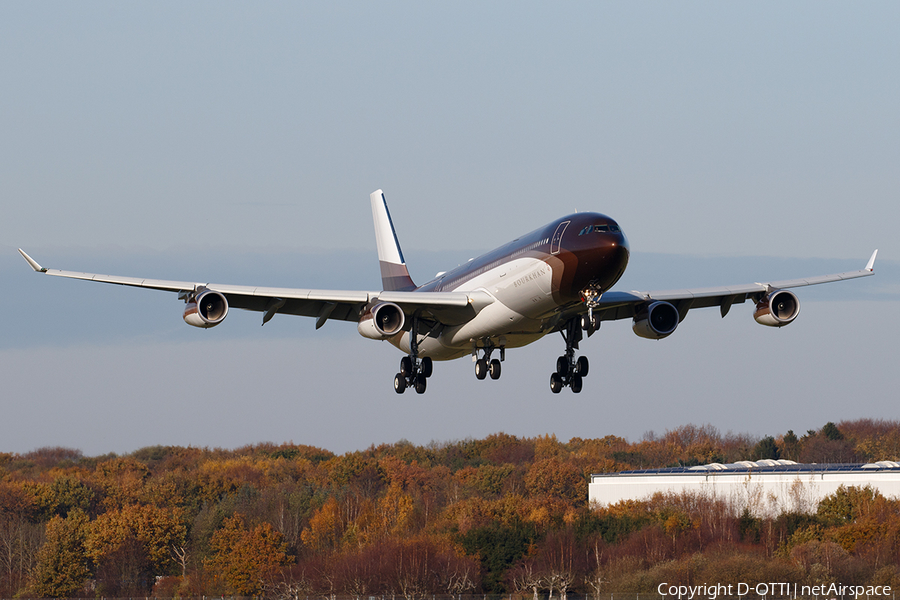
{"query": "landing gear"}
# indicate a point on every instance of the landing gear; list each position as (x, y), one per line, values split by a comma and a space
(485, 365)
(495, 369)
(414, 372)
(569, 371)
(481, 368)
(591, 322)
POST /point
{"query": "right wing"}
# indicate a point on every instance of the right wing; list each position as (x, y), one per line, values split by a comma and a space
(624, 305)
(446, 308)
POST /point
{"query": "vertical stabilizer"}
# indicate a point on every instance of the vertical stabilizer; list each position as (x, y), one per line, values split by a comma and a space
(394, 274)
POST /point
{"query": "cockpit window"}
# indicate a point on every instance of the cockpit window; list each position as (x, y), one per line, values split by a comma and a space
(604, 228)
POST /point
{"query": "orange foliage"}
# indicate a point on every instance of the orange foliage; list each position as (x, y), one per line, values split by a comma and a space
(517, 504)
(247, 558)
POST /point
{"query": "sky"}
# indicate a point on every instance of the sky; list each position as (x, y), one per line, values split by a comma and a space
(238, 143)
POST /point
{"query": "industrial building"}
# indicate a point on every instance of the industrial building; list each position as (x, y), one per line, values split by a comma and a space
(764, 487)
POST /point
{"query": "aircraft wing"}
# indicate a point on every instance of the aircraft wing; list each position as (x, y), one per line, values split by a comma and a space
(446, 308)
(623, 305)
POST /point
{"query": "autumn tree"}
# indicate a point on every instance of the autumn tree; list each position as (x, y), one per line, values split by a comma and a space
(62, 567)
(64, 494)
(557, 479)
(133, 544)
(247, 557)
(20, 538)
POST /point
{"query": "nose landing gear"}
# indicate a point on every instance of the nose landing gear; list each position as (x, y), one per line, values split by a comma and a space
(569, 371)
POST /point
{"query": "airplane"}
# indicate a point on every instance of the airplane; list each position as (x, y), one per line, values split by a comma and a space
(558, 278)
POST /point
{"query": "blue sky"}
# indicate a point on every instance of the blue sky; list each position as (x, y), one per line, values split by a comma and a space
(238, 143)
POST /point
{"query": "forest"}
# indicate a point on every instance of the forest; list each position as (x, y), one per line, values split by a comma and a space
(500, 515)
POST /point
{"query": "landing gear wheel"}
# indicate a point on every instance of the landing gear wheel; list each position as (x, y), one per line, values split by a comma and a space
(421, 382)
(590, 325)
(576, 383)
(556, 384)
(399, 383)
(495, 369)
(581, 366)
(570, 372)
(481, 368)
(406, 366)
(427, 366)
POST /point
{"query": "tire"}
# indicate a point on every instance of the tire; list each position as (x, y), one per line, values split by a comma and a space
(421, 383)
(576, 383)
(406, 366)
(481, 368)
(562, 366)
(495, 369)
(582, 366)
(427, 366)
(399, 383)
(556, 384)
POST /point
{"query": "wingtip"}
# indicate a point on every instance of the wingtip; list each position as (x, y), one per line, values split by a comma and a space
(33, 263)
(870, 266)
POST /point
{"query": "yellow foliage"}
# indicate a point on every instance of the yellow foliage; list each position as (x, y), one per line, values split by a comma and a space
(326, 528)
(157, 529)
(246, 558)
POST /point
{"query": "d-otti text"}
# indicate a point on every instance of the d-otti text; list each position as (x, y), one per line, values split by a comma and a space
(775, 590)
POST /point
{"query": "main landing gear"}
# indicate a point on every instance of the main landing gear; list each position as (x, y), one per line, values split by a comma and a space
(414, 372)
(485, 365)
(569, 371)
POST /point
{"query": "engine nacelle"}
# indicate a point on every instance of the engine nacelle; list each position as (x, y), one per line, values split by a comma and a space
(777, 309)
(381, 321)
(656, 320)
(206, 309)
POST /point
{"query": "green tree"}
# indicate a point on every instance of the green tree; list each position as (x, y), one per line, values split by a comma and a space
(766, 449)
(62, 563)
(846, 504)
(831, 432)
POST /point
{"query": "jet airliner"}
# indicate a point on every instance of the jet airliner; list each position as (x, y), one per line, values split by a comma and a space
(558, 278)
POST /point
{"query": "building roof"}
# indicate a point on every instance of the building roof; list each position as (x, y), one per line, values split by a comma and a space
(762, 466)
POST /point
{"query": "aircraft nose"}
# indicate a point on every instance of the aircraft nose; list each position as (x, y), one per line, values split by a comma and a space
(603, 262)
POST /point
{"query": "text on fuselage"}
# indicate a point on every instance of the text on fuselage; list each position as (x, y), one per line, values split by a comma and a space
(539, 272)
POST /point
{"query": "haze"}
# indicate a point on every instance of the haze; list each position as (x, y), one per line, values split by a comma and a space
(238, 144)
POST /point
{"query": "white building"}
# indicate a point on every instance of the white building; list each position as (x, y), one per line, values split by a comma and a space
(765, 487)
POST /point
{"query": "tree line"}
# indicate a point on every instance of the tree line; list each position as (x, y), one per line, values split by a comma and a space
(503, 514)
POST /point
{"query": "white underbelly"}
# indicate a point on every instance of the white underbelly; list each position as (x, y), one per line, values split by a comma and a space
(523, 299)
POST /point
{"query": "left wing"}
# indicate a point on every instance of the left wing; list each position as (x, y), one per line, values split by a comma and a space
(625, 305)
(446, 308)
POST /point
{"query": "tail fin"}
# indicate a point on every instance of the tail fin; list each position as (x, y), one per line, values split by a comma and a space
(394, 274)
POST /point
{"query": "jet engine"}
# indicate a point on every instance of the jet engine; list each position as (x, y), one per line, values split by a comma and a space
(656, 320)
(777, 309)
(381, 321)
(205, 309)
